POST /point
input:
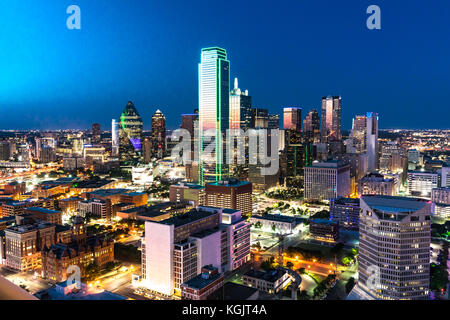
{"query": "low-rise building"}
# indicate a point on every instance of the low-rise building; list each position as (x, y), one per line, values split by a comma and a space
(183, 192)
(345, 211)
(44, 214)
(324, 230)
(272, 281)
(440, 198)
(81, 251)
(274, 222)
(203, 285)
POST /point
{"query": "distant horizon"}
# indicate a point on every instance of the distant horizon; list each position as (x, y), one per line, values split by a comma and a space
(148, 52)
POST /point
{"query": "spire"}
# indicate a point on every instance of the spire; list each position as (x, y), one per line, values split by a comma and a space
(235, 83)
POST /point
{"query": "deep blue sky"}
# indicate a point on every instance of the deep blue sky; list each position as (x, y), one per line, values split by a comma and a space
(283, 52)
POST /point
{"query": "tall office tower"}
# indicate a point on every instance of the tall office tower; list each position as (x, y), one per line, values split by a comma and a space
(296, 155)
(274, 121)
(311, 126)
(394, 248)
(114, 138)
(260, 118)
(230, 194)
(372, 140)
(158, 135)
(330, 119)
(393, 158)
(176, 249)
(146, 150)
(327, 180)
(358, 134)
(292, 118)
(214, 112)
(240, 108)
(130, 135)
(261, 182)
(188, 123)
(47, 154)
(414, 159)
(96, 133)
(5, 150)
(420, 183)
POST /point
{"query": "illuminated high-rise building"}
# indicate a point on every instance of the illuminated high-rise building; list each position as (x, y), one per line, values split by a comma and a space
(358, 134)
(311, 126)
(214, 112)
(96, 133)
(292, 118)
(274, 121)
(115, 137)
(394, 249)
(240, 108)
(372, 140)
(331, 119)
(158, 135)
(260, 118)
(130, 135)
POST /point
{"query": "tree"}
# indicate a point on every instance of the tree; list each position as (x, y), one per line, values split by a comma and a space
(268, 264)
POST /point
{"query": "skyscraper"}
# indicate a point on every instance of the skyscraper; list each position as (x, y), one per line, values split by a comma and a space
(214, 113)
(240, 108)
(274, 121)
(130, 135)
(358, 135)
(292, 118)
(96, 133)
(394, 249)
(260, 118)
(158, 135)
(311, 126)
(331, 119)
(372, 140)
(115, 137)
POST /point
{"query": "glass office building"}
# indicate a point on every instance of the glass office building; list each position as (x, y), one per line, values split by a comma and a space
(214, 118)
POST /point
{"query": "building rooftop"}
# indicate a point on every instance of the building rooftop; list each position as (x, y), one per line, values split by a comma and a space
(189, 217)
(346, 201)
(108, 192)
(391, 204)
(328, 164)
(229, 183)
(270, 276)
(275, 217)
(201, 281)
(91, 184)
(189, 185)
(324, 221)
(42, 210)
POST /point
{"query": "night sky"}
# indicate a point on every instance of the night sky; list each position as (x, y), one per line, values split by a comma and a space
(286, 53)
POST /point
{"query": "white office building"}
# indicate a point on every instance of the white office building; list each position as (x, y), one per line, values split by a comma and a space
(327, 180)
(394, 249)
(420, 183)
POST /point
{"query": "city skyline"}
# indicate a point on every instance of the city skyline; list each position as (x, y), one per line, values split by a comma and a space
(97, 78)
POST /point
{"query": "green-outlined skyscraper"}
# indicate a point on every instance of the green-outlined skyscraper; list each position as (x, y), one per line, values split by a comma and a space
(130, 135)
(214, 114)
